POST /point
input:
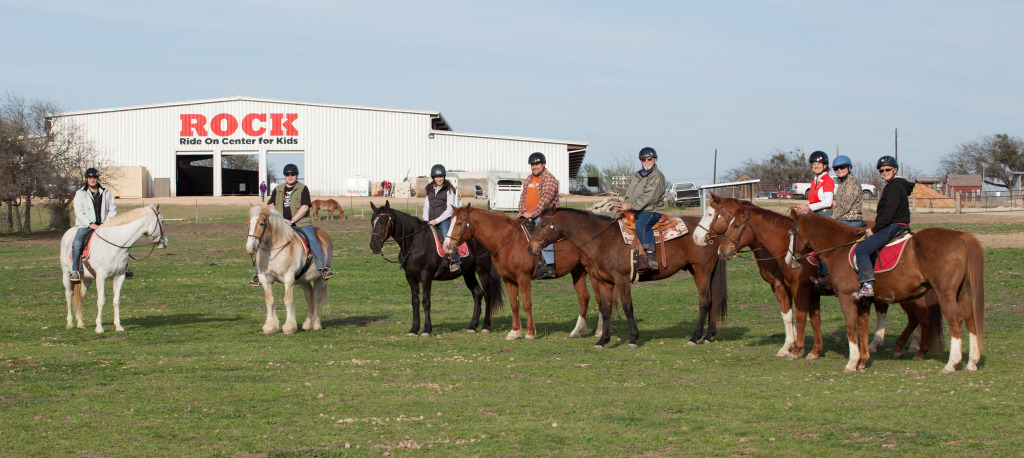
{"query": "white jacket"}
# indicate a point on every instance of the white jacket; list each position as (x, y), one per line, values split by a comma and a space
(85, 212)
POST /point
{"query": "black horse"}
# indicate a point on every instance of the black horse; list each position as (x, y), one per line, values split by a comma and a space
(417, 253)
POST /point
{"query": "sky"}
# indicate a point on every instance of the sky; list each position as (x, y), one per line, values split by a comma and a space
(745, 78)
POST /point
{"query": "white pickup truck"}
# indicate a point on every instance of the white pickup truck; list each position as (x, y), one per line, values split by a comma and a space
(799, 190)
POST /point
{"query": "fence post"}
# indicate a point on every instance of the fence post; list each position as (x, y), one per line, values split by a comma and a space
(958, 202)
(915, 204)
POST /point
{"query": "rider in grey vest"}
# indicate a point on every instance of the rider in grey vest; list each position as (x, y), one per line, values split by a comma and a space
(437, 206)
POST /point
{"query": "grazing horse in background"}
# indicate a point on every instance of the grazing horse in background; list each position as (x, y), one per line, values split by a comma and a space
(506, 239)
(330, 205)
(108, 258)
(743, 224)
(950, 263)
(418, 254)
(281, 257)
(608, 260)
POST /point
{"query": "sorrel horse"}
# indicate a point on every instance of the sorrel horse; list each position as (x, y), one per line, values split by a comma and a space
(742, 224)
(422, 265)
(330, 205)
(280, 257)
(108, 257)
(506, 239)
(950, 263)
(609, 263)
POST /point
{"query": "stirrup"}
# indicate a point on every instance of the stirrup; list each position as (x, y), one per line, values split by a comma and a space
(866, 290)
(254, 281)
(128, 275)
(453, 267)
(75, 277)
(326, 273)
(652, 260)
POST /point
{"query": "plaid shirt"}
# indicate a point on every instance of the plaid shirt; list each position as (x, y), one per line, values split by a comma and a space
(547, 196)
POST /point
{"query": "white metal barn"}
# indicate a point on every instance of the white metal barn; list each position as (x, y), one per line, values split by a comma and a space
(334, 142)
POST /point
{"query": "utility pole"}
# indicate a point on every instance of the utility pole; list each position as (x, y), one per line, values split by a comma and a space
(896, 143)
(714, 169)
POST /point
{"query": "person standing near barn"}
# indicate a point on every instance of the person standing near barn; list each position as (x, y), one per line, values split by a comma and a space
(645, 197)
(892, 218)
(292, 200)
(263, 190)
(93, 205)
(438, 207)
(540, 194)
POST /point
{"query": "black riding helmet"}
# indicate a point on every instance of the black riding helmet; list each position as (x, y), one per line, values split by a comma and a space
(537, 158)
(291, 169)
(818, 156)
(887, 161)
(92, 173)
(438, 171)
(647, 152)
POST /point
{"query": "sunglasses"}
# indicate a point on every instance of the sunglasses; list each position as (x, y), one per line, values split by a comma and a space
(291, 174)
(647, 159)
(886, 169)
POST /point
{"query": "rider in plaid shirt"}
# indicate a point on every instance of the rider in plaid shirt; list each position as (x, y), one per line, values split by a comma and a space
(540, 193)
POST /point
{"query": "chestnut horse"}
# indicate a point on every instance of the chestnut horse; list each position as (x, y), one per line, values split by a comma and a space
(950, 263)
(330, 205)
(608, 260)
(742, 224)
(506, 239)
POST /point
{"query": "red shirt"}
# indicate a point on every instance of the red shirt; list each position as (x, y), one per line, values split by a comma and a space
(822, 190)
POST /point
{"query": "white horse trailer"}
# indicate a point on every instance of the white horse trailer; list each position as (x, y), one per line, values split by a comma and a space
(503, 191)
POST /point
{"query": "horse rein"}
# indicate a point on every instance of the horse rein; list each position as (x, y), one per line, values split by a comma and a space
(159, 238)
(551, 226)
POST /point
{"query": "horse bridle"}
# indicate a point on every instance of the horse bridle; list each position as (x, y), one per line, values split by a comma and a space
(159, 238)
(707, 230)
(551, 226)
(259, 239)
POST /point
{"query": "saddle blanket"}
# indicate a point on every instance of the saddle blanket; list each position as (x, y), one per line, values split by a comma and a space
(463, 249)
(87, 248)
(887, 257)
(676, 230)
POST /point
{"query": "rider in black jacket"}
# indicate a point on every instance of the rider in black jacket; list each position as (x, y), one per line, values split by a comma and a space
(893, 217)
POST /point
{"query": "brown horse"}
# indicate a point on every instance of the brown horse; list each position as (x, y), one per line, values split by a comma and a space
(609, 262)
(742, 224)
(950, 263)
(330, 205)
(506, 240)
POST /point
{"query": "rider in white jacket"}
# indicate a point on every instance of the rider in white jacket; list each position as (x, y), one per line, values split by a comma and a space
(93, 206)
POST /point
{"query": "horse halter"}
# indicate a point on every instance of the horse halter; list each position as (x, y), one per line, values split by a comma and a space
(736, 242)
(387, 229)
(708, 238)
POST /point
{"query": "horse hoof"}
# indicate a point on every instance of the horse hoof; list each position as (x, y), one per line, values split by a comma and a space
(897, 354)
(99, 330)
(512, 335)
(471, 331)
(948, 370)
(812, 356)
(485, 331)
(847, 370)
(782, 353)
(861, 369)
(425, 335)
(70, 325)
(690, 343)
(289, 331)
(599, 346)
(790, 357)
(531, 337)
(119, 329)
(411, 334)
(971, 367)
(632, 346)
(918, 358)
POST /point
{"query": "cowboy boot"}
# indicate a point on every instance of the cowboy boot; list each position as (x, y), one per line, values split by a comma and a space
(255, 280)
(642, 263)
(652, 260)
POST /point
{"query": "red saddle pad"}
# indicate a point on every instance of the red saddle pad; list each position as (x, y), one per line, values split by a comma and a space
(887, 257)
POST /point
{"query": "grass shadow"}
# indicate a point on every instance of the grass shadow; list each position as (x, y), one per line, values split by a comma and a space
(175, 320)
(360, 321)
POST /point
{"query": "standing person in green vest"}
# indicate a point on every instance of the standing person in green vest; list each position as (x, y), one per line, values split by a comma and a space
(292, 200)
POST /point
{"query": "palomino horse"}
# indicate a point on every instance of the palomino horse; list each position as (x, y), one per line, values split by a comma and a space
(418, 255)
(743, 224)
(280, 257)
(506, 239)
(108, 257)
(330, 205)
(950, 263)
(609, 262)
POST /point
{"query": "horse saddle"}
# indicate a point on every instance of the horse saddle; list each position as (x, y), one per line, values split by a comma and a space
(439, 243)
(665, 229)
(886, 258)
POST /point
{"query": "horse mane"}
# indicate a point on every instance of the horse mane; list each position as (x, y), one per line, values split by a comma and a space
(584, 213)
(776, 220)
(124, 218)
(405, 218)
(274, 218)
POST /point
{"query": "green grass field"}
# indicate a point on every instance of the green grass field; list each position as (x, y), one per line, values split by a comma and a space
(193, 375)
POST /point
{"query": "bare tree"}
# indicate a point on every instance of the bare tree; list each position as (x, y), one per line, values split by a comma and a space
(38, 160)
(994, 156)
(780, 166)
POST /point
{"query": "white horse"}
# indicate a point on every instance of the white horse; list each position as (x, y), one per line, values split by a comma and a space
(280, 257)
(108, 258)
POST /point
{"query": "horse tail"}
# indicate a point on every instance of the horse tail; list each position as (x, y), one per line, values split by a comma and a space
(495, 291)
(719, 294)
(973, 289)
(76, 298)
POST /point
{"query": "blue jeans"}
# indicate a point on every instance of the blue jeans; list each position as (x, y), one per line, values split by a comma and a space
(822, 268)
(76, 247)
(645, 228)
(314, 246)
(866, 268)
(444, 225)
(547, 253)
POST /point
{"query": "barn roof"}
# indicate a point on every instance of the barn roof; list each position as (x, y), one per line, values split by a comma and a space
(973, 179)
